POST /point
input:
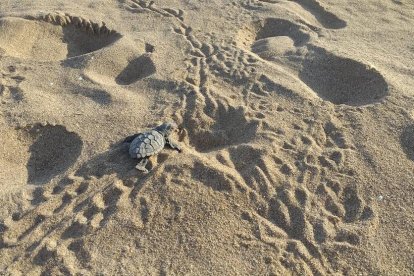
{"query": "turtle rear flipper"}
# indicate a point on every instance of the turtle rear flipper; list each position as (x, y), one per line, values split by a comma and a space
(141, 165)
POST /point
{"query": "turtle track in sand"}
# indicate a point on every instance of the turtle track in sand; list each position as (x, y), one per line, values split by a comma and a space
(295, 195)
(10, 80)
(279, 182)
(53, 232)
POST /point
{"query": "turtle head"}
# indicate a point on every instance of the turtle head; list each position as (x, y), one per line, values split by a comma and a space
(166, 128)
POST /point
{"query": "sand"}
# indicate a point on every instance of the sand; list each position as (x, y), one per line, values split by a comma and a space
(296, 122)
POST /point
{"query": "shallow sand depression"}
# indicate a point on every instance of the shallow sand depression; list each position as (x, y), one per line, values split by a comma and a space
(295, 119)
(46, 41)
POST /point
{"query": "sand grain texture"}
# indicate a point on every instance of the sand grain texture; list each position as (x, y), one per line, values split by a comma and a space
(297, 126)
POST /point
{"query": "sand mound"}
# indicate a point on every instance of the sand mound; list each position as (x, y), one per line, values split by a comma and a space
(56, 38)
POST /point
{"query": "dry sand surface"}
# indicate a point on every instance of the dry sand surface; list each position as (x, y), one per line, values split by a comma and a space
(296, 121)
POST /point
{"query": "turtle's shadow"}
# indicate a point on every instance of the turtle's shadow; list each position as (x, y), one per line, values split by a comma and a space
(115, 160)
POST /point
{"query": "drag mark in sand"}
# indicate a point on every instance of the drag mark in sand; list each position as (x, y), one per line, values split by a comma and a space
(291, 213)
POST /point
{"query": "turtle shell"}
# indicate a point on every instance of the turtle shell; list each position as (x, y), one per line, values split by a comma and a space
(146, 144)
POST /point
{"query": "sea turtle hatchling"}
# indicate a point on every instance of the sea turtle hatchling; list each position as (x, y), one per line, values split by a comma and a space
(145, 144)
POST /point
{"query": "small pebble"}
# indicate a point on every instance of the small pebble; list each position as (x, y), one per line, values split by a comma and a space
(80, 78)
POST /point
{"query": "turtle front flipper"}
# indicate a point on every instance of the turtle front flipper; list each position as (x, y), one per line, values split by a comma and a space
(141, 165)
(173, 144)
(130, 138)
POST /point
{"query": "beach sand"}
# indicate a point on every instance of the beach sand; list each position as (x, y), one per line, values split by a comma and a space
(296, 122)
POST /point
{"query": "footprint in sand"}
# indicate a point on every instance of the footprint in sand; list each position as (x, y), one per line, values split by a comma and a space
(121, 64)
(52, 37)
(333, 78)
(325, 18)
(407, 141)
(136, 69)
(278, 37)
(342, 80)
(314, 11)
(35, 155)
(75, 41)
(54, 150)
